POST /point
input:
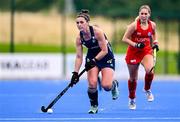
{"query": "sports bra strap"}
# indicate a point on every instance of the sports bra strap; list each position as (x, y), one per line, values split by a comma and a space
(92, 31)
(81, 35)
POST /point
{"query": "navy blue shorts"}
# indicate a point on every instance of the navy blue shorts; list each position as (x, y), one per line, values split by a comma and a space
(106, 61)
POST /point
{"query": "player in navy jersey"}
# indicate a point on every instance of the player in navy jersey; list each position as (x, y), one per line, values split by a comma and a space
(99, 58)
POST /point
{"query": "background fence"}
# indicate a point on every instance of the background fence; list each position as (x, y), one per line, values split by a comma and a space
(48, 26)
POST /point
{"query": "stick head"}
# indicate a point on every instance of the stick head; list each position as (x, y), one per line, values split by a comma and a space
(43, 109)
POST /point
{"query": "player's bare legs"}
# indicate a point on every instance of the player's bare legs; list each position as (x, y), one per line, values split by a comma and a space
(147, 62)
(92, 89)
(132, 84)
(108, 83)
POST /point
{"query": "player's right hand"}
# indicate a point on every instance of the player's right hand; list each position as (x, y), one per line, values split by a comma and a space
(140, 45)
(74, 78)
(155, 47)
(90, 64)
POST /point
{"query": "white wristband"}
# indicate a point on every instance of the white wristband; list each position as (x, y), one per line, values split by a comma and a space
(155, 41)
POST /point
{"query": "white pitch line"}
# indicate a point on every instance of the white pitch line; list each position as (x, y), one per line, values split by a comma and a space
(81, 119)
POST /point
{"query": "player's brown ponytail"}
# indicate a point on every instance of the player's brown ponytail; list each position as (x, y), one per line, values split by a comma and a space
(85, 14)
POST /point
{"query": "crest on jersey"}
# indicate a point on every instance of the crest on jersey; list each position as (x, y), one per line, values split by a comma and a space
(149, 34)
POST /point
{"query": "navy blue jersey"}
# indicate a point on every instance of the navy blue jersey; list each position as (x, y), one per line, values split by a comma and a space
(93, 49)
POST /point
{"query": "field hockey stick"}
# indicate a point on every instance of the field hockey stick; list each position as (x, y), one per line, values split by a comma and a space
(154, 52)
(154, 59)
(154, 56)
(45, 109)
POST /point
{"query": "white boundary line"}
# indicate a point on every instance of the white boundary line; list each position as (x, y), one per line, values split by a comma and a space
(88, 119)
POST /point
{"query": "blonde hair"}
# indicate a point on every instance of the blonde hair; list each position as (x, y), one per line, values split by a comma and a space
(145, 7)
(136, 19)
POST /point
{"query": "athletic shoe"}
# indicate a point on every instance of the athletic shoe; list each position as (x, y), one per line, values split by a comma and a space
(132, 104)
(93, 109)
(149, 95)
(115, 91)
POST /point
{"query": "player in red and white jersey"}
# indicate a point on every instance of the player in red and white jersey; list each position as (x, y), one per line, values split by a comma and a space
(140, 51)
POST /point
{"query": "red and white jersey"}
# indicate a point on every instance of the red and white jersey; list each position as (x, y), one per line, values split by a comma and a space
(141, 35)
(135, 55)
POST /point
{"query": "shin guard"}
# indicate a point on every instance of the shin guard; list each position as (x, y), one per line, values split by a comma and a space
(148, 81)
(132, 88)
(93, 96)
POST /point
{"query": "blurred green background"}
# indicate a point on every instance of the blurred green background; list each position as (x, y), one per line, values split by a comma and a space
(48, 26)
